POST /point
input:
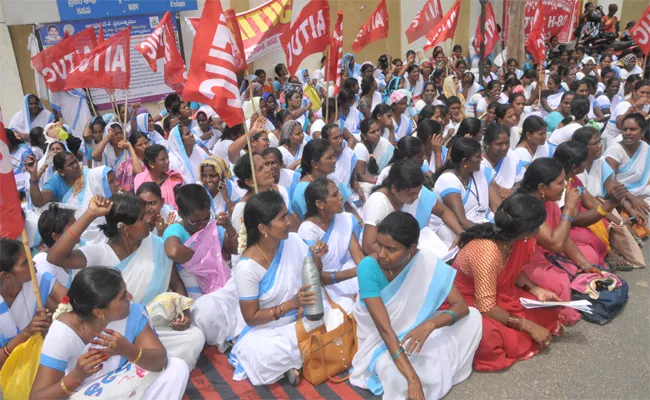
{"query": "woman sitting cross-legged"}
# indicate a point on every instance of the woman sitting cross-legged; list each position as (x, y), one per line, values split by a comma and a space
(490, 278)
(139, 256)
(408, 347)
(102, 345)
(270, 289)
(325, 220)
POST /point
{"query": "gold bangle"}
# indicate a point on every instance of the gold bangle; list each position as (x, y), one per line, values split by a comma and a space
(138, 357)
(601, 211)
(65, 389)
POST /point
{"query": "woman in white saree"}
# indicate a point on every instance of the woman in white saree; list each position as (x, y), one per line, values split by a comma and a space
(145, 124)
(503, 161)
(188, 155)
(141, 259)
(31, 115)
(326, 221)
(270, 290)
(108, 151)
(99, 181)
(408, 347)
(102, 345)
(630, 160)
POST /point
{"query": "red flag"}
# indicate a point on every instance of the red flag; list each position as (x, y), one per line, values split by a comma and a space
(335, 69)
(491, 34)
(56, 62)
(238, 50)
(100, 35)
(162, 44)
(375, 28)
(641, 32)
(445, 29)
(309, 34)
(212, 78)
(424, 20)
(11, 218)
(535, 43)
(108, 66)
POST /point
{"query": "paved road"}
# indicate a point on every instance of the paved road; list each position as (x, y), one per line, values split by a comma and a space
(588, 362)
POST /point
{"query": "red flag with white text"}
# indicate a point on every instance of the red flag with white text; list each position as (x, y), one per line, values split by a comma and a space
(375, 28)
(238, 51)
(335, 69)
(56, 62)
(108, 66)
(641, 32)
(445, 29)
(11, 218)
(535, 43)
(212, 79)
(424, 20)
(491, 34)
(100, 34)
(309, 34)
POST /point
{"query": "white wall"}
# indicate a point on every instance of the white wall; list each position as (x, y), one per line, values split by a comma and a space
(11, 90)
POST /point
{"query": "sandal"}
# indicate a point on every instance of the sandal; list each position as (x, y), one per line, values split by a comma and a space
(617, 263)
(293, 376)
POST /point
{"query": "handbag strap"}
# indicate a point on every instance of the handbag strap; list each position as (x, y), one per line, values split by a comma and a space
(555, 259)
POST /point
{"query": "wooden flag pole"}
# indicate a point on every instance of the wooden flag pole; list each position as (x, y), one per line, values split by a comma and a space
(327, 70)
(645, 59)
(92, 105)
(32, 270)
(248, 139)
(126, 111)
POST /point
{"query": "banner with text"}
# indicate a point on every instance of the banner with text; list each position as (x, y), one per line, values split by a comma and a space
(74, 10)
(560, 18)
(146, 86)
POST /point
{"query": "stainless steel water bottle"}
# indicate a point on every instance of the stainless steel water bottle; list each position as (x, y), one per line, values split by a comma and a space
(311, 276)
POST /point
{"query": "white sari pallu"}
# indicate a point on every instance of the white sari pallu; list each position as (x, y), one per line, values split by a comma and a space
(410, 299)
(118, 378)
(264, 353)
(635, 173)
(338, 238)
(508, 170)
(421, 209)
(594, 179)
(187, 166)
(21, 122)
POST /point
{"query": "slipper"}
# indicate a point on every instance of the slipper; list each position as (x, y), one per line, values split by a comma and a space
(617, 263)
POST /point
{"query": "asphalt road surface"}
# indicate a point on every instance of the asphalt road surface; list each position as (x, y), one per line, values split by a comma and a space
(589, 362)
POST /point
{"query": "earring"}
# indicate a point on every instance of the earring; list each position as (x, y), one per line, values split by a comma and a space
(543, 196)
(465, 165)
(526, 239)
(266, 235)
(101, 317)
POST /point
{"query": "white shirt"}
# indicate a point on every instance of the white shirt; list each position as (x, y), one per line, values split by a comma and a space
(377, 207)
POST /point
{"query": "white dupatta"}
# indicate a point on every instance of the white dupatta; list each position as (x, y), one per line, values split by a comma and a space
(147, 271)
(410, 299)
(153, 135)
(74, 107)
(49, 171)
(96, 183)
(635, 173)
(383, 153)
(351, 122)
(345, 164)
(110, 157)
(188, 166)
(21, 122)
(404, 128)
(508, 170)
(594, 179)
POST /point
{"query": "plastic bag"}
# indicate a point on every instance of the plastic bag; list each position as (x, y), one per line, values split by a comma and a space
(19, 371)
(207, 264)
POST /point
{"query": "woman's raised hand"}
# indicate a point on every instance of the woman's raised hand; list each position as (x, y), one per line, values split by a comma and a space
(100, 206)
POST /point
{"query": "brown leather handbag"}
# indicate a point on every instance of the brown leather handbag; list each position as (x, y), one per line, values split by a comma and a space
(327, 354)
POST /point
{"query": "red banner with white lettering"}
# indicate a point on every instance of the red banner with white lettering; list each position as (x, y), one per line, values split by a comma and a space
(212, 78)
(424, 20)
(491, 34)
(11, 218)
(238, 49)
(535, 43)
(560, 18)
(162, 44)
(445, 29)
(309, 34)
(641, 32)
(108, 66)
(56, 62)
(335, 62)
(375, 28)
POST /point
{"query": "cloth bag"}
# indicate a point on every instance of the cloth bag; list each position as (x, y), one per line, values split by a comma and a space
(622, 240)
(327, 354)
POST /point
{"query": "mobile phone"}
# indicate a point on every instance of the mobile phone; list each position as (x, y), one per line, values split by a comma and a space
(632, 220)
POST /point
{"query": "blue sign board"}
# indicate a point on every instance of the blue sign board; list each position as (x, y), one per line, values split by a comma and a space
(72, 10)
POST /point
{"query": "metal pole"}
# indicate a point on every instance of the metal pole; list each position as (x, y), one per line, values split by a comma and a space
(482, 52)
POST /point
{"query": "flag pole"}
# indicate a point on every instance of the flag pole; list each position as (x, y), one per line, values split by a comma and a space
(126, 111)
(327, 70)
(90, 99)
(32, 270)
(248, 139)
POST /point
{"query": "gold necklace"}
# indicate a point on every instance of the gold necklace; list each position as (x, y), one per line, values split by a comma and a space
(263, 255)
(311, 179)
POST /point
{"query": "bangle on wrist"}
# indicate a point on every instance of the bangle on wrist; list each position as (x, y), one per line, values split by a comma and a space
(138, 357)
(5, 350)
(526, 287)
(398, 353)
(69, 376)
(601, 211)
(452, 314)
(65, 389)
(566, 217)
(333, 276)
